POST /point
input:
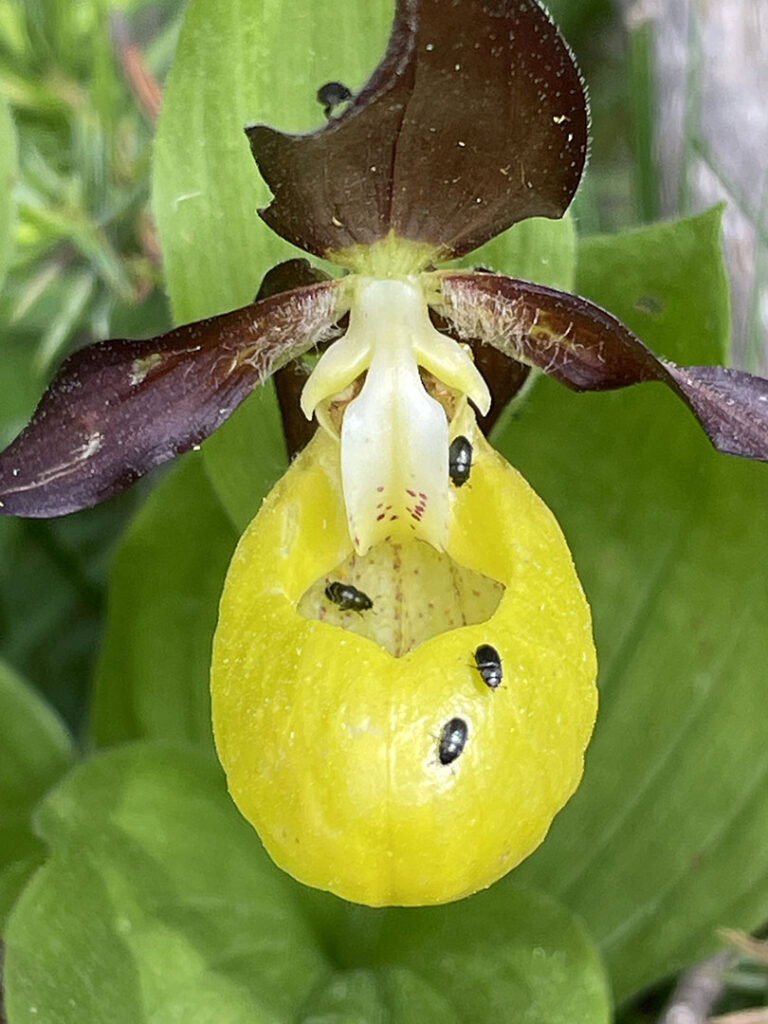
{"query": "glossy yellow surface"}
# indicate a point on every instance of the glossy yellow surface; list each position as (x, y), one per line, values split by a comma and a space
(330, 743)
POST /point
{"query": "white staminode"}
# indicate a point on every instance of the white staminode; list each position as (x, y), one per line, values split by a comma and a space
(394, 436)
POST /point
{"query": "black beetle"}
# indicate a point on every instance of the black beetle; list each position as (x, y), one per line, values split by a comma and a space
(453, 738)
(488, 665)
(459, 460)
(331, 95)
(347, 597)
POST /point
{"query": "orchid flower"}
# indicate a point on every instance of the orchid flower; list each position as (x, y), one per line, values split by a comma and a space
(403, 672)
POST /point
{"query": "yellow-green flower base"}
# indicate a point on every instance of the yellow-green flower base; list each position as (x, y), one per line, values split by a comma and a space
(330, 742)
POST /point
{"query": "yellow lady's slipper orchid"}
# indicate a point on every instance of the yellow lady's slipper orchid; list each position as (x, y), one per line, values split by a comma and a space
(329, 723)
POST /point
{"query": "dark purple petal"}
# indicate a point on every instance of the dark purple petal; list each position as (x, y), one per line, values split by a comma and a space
(117, 408)
(504, 377)
(588, 349)
(475, 119)
(290, 379)
(732, 405)
(289, 275)
(297, 429)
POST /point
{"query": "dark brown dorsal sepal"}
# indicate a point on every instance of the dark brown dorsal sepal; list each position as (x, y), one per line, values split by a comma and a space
(475, 119)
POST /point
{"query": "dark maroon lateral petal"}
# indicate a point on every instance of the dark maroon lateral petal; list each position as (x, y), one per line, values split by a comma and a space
(290, 379)
(288, 276)
(475, 119)
(118, 408)
(732, 404)
(588, 349)
(504, 377)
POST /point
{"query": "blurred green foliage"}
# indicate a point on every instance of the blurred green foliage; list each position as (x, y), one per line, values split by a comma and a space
(84, 265)
(84, 248)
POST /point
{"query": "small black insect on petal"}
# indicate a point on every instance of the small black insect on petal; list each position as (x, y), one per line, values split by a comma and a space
(459, 460)
(453, 739)
(331, 95)
(347, 597)
(488, 665)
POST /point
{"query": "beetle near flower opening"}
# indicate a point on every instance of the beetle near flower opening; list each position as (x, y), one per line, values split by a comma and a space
(488, 665)
(347, 597)
(459, 460)
(453, 739)
(324, 721)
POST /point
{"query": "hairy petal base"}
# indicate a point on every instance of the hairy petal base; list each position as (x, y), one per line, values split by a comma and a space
(588, 349)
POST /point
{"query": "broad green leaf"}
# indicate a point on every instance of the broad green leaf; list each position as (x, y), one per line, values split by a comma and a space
(667, 838)
(667, 283)
(52, 585)
(36, 750)
(159, 903)
(246, 456)
(7, 175)
(167, 574)
(508, 954)
(381, 996)
(19, 387)
(537, 249)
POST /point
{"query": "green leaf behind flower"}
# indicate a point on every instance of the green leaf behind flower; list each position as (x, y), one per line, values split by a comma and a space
(36, 750)
(159, 903)
(19, 388)
(667, 838)
(538, 249)
(666, 282)
(246, 456)
(167, 574)
(7, 175)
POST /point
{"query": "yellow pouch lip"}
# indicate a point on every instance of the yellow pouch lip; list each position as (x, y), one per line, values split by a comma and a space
(330, 743)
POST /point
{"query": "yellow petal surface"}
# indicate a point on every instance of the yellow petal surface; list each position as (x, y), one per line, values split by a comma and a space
(331, 742)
